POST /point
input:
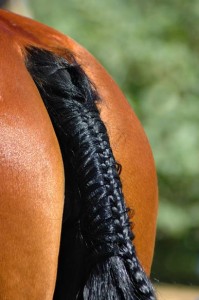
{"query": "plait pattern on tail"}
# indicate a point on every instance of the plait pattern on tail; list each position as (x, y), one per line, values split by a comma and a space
(70, 98)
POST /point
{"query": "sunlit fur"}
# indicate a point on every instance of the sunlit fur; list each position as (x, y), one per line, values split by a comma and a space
(97, 258)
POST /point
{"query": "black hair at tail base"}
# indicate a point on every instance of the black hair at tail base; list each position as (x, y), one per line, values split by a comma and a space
(97, 258)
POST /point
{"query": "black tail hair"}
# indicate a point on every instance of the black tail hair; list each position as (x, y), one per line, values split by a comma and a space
(97, 258)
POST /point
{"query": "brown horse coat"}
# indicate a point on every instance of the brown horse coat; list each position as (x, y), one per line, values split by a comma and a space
(31, 167)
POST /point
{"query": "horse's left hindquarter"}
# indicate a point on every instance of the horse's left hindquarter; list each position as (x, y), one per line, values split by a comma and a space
(32, 184)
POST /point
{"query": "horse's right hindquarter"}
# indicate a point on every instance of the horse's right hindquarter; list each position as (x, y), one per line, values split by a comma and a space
(31, 184)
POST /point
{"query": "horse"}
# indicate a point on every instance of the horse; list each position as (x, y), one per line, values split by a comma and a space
(78, 193)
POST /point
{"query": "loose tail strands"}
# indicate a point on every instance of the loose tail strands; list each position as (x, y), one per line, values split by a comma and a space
(70, 99)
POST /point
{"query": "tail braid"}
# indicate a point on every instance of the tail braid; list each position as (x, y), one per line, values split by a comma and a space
(115, 272)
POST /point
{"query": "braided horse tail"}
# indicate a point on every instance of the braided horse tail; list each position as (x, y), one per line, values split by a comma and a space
(96, 226)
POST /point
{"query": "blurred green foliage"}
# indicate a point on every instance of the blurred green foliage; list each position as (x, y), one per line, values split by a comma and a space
(151, 48)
